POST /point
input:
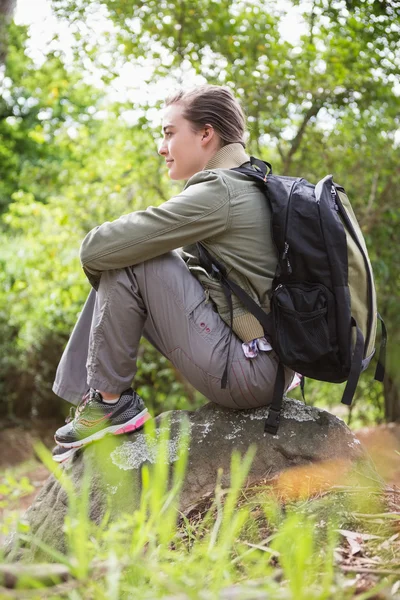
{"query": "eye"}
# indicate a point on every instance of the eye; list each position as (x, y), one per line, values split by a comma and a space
(168, 134)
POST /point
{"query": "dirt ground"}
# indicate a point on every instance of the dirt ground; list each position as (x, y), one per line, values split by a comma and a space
(383, 445)
(17, 441)
(18, 460)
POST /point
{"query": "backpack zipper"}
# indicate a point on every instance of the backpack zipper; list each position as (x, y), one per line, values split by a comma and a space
(284, 256)
(346, 219)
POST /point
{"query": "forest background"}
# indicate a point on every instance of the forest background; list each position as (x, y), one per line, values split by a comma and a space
(79, 128)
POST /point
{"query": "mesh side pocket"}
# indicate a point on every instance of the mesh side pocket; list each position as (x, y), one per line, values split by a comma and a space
(300, 320)
(302, 338)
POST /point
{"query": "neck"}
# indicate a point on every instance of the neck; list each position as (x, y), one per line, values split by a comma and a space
(228, 157)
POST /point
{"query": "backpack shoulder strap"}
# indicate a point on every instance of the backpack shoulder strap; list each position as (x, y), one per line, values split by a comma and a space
(211, 265)
(259, 169)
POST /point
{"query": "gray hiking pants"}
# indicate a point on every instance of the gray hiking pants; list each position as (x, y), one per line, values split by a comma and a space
(161, 300)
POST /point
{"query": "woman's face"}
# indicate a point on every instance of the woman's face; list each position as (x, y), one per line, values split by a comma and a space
(186, 152)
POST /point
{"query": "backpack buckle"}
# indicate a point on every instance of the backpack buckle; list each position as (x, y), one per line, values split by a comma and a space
(272, 421)
(216, 272)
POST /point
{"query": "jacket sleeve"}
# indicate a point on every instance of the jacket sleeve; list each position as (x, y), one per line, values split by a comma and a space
(199, 212)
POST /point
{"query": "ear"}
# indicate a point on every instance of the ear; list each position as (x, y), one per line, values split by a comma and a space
(207, 134)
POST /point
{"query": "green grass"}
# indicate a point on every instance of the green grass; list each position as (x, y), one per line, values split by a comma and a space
(242, 537)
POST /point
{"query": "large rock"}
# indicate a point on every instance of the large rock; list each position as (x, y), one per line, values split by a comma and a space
(306, 435)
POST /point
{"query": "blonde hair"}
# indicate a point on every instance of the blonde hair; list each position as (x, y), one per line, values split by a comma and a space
(213, 105)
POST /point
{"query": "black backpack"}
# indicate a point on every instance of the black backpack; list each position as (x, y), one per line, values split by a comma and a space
(323, 315)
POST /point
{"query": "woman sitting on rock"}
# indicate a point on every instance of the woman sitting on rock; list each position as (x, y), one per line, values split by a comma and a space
(142, 285)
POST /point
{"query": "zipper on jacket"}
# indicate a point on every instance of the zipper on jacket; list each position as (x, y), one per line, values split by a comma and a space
(346, 219)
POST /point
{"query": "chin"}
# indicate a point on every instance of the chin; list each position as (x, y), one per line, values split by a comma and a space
(176, 176)
(181, 175)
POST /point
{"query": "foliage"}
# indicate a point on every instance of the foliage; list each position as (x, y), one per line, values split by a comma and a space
(42, 285)
(71, 156)
(34, 105)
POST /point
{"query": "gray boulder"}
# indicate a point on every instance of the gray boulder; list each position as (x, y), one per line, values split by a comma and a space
(306, 435)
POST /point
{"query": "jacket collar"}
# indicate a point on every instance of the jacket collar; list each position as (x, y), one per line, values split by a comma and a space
(228, 157)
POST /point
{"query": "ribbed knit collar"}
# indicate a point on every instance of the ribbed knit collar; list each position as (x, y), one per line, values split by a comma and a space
(228, 157)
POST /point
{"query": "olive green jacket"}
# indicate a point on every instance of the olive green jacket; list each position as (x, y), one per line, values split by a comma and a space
(224, 210)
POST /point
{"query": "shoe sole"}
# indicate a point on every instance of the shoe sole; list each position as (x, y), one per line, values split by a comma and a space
(132, 425)
(60, 458)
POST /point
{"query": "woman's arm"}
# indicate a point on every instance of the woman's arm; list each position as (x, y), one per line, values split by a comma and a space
(199, 212)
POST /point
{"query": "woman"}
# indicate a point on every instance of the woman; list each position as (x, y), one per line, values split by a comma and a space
(143, 286)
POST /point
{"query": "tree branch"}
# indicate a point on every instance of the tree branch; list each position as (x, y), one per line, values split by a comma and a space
(312, 23)
(312, 112)
(160, 192)
(181, 21)
(372, 195)
(5, 113)
(281, 152)
(356, 569)
(370, 218)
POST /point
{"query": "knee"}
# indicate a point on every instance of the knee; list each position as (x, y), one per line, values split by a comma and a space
(164, 260)
(169, 263)
(112, 278)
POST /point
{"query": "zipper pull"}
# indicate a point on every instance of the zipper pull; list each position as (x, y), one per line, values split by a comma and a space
(284, 257)
(207, 294)
(333, 194)
(285, 251)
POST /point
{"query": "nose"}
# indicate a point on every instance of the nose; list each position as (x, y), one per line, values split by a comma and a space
(162, 148)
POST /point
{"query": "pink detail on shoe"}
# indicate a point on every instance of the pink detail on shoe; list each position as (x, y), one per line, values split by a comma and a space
(132, 426)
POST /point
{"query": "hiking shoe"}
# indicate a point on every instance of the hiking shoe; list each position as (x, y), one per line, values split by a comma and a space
(95, 418)
(61, 454)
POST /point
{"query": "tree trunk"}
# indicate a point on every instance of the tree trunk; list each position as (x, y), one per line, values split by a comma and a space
(392, 399)
(7, 8)
(391, 383)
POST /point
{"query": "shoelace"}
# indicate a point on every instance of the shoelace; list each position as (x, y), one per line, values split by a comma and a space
(76, 411)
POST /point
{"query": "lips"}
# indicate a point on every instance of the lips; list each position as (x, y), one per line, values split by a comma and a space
(169, 162)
